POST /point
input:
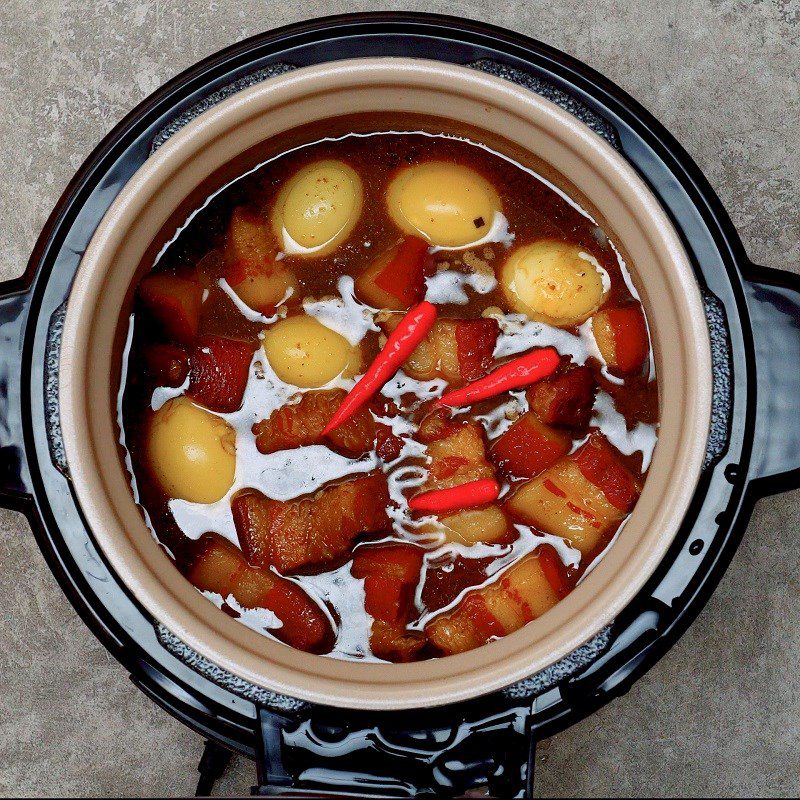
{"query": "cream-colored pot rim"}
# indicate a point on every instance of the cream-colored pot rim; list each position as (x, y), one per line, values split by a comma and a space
(89, 373)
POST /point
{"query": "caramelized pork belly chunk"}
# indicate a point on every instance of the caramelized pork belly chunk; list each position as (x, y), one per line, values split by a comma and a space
(251, 268)
(393, 642)
(220, 367)
(219, 566)
(437, 425)
(174, 303)
(581, 498)
(451, 576)
(396, 279)
(302, 424)
(458, 351)
(521, 594)
(528, 447)
(565, 399)
(301, 533)
(456, 450)
(391, 573)
(621, 336)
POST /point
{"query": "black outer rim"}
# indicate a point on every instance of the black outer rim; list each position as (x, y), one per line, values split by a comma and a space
(725, 236)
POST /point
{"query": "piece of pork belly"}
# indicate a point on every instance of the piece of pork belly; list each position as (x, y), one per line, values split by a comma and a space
(582, 497)
(219, 566)
(219, 370)
(528, 447)
(302, 424)
(458, 351)
(564, 399)
(524, 592)
(456, 449)
(391, 574)
(314, 530)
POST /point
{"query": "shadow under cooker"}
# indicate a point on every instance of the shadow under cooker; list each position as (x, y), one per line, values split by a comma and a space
(752, 449)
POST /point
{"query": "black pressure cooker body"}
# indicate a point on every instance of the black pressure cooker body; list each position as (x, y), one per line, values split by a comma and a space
(307, 750)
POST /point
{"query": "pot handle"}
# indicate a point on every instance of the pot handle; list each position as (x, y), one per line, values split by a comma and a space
(329, 753)
(14, 479)
(773, 299)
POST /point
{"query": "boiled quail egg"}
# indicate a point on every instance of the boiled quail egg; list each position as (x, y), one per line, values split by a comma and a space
(553, 282)
(304, 352)
(191, 451)
(317, 208)
(449, 205)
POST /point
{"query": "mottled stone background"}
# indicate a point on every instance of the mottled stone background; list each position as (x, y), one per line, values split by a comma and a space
(719, 714)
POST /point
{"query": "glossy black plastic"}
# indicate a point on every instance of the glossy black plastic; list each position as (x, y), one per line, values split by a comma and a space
(451, 749)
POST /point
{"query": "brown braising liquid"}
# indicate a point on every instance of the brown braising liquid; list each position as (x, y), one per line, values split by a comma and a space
(625, 408)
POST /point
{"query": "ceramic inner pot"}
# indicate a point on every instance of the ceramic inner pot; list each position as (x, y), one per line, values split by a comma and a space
(489, 109)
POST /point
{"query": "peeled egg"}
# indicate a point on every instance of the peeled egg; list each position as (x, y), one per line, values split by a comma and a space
(448, 204)
(192, 452)
(553, 282)
(317, 208)
(304, 352)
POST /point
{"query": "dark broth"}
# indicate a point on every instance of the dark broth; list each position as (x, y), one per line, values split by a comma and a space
(625, 408)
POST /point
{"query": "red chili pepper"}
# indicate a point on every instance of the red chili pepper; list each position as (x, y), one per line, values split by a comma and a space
(402, 342)
(474, 493)
(521, 371)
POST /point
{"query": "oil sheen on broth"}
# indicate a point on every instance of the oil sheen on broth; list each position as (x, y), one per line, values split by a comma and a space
(273, 297)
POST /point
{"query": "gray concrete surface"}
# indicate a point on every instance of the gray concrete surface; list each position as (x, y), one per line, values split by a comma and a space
(719, 715)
